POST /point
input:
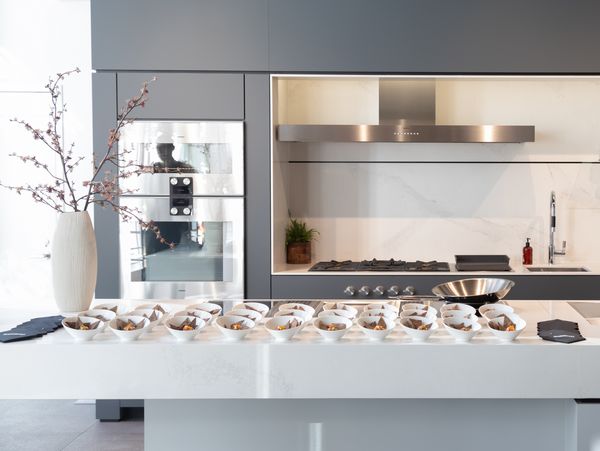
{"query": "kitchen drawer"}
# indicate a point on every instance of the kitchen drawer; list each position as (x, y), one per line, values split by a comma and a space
(185, 95)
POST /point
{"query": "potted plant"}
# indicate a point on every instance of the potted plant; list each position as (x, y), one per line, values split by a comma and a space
(297, 241)
(74, 258)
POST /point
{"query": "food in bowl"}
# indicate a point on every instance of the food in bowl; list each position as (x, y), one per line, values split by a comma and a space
(238, 325)
(331, 326)
(462, 326)
(129, 324)
(289, 325)
(503, 323)
(186, 324)
(416, 324)
(379, 324)
(81, 324)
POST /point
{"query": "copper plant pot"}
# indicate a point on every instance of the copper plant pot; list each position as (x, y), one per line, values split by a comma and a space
(298, 253)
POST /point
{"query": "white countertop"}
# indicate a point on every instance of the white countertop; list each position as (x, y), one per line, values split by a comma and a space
(157, 367)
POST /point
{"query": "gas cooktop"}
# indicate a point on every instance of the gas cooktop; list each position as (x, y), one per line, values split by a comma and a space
(380, 265)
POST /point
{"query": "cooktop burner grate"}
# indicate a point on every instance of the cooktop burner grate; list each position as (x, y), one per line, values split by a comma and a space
(391, 265)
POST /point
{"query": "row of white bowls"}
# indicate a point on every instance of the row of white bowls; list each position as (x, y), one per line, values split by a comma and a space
(250, 313)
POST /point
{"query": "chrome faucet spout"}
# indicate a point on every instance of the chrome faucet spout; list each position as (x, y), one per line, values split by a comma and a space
(552, 252)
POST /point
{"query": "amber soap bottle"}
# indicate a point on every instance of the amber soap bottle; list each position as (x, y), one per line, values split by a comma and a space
(527, 253)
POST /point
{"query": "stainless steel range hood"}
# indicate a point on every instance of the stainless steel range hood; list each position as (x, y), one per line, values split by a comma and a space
(407, 114)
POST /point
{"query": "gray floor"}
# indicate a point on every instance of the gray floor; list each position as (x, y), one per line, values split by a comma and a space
(63, 425)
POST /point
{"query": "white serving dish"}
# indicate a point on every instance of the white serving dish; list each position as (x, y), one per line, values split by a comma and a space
(336, 312)
(286, 334)
(416, 334)
(252, 314)
(459, 314)
(104, 315)
(231, 334)
(202, 314)
(129, 335)
(458, 306)
(507, 336)
(332, 335)
(152, 306)
(256, 306)
(381, 306)
(340, 306)
(298, 306)
(391, 314)
(418, 313)
(146, 312)
(489, 311)
(184, 335)
(461, 336)
(82, 335)
(376, 335)
(207, 307)
(121, 309)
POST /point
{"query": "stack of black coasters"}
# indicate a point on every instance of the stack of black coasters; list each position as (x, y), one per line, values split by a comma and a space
(560, 331)
(33, 328)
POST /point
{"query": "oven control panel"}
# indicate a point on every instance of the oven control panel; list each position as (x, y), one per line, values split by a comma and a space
(379, 291)
(181, 191)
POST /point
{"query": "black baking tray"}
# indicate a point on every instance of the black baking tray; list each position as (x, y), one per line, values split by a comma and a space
(482, 263)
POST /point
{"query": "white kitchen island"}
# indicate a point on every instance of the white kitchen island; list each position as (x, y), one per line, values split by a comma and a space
(307, 394)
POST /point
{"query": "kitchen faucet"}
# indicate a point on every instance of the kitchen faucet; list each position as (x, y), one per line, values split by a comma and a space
(551, 249)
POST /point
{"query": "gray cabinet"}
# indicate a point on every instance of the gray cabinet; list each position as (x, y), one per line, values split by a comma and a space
(185, 95)
(224, 35)
(433, 36)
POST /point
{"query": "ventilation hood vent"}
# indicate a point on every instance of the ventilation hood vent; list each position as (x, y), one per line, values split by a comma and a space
(407, 114)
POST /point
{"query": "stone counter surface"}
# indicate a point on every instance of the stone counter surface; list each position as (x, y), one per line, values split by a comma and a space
(158, 367)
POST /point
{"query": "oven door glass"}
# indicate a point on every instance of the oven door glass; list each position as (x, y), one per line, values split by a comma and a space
(211, 153)
(205, 258)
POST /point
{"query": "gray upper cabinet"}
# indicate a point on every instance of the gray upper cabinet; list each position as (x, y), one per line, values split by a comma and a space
(185, 95)
(434, 36)
(225, 35)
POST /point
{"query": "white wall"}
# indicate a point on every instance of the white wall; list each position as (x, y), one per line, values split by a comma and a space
(393, 206)
(38, 38)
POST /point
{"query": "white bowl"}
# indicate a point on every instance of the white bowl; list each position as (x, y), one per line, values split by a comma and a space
(184, 335)
(336, 312)
(298, 306)
(381, 306)
(340, 306)
(332, 335)
(214, 309)
(377, 335)
(416, 334)
(103, 315)
(118, 309)
(154, 306)
(82, 335)
(391, 314)
(415, 306)
(129, 335)
(458, 306)
(232, 334)
(146, 313)
(419, 313)
(256, 306)
(286, 334)
(489, 311)
(252, 314)
(458, 314)
(202, 314)
(461, 335)
(507, 336)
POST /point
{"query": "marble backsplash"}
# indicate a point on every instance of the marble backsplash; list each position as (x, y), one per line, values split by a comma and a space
(437, 210)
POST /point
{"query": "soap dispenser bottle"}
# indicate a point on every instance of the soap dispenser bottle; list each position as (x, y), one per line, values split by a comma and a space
(527, 253)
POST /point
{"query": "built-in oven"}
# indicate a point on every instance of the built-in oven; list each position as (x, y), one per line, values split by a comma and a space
(192, 190)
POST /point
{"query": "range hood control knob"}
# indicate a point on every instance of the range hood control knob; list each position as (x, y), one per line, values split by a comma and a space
(394, 290)
(364, 290)
(173, 181)
(186, 181)
(350, 291)
(174, 211)
(187, 211)
(409, 291)
(379, 290)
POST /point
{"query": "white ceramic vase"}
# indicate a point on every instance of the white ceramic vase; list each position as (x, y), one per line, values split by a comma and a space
(74, 262)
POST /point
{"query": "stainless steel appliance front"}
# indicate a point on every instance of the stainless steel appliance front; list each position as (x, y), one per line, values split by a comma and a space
(211, 153)
(207, 258)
